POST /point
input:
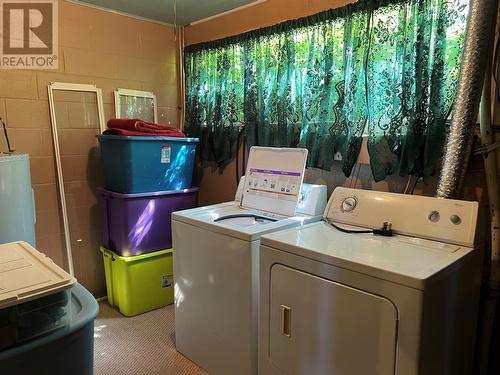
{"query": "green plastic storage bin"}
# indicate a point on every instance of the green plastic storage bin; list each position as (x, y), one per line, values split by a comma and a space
(139, 283)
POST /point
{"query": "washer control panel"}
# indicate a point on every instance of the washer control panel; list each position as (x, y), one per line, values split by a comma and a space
(446, 220)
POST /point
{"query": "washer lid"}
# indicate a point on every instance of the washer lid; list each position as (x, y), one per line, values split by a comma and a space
(400, 259)
(232, 220)
(273, 179)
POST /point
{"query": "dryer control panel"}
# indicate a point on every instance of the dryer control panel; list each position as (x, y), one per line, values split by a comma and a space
(446, 220)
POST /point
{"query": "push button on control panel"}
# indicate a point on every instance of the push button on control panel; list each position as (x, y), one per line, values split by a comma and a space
(434, 216)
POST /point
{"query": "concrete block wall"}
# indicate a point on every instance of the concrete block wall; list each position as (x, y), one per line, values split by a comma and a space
(110, 51)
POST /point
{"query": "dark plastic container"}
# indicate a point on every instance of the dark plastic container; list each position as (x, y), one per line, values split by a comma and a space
(34, 318)
(145, 164)
(68, 350)
(134, 224)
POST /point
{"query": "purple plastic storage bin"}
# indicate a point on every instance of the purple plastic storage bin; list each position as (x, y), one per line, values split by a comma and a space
(140, 223)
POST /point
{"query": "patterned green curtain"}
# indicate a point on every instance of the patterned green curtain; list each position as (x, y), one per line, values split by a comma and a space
(413, 70)
(214, 101)
(385, 69)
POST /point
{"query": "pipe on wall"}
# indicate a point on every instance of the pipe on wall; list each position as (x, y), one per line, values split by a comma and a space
(472, 86)
(181, 77)
(480, 28)
(490, 164)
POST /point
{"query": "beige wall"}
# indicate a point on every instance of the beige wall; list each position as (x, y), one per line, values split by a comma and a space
(96, 47)
(261, 15)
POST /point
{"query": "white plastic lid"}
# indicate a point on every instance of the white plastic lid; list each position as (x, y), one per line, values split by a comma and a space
(312, 199)
(273, 179)
(239, 190)
(27, 274)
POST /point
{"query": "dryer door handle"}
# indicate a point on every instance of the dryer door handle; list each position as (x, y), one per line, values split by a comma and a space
(286, 321)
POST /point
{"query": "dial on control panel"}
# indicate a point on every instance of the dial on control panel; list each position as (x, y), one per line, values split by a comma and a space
(348, 204)
(434, 216)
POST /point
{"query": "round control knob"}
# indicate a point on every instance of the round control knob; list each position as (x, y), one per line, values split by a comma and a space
(348, 204)
(434, 216)
(455, 219)
(302, 197)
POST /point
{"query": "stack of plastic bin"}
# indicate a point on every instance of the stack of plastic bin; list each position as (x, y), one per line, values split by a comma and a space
(46, 318)
(147, 178)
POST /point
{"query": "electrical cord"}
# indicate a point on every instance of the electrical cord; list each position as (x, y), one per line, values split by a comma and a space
(495, 62)
(240, 141)
(486, 149)
(414, 186)
(243, 164)
(385, 230)
(343, 230)
(237, 162)
(407, 184)
(6, 135)
(355, 175)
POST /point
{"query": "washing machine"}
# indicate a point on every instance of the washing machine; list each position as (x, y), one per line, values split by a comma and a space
(216, 259)
(337, 298)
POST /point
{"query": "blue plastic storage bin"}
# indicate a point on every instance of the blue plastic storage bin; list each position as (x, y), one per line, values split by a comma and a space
(145, 164)
(68, 350)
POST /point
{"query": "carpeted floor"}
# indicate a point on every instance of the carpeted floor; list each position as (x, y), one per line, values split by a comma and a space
(143, 344)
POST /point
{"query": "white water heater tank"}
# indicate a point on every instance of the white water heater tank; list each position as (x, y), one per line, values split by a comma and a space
(17, 206)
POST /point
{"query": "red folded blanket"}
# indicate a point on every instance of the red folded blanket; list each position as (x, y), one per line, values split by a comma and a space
(123, 126)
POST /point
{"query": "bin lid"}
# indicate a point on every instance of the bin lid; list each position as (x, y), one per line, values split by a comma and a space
(273, 179)
(110, 193)
(105, 137)
(155, 254)
(27, 274)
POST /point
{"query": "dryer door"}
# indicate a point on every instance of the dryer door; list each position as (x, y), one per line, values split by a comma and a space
(322, 327)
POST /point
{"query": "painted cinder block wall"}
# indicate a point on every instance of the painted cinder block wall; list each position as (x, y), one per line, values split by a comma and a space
(96, 47)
